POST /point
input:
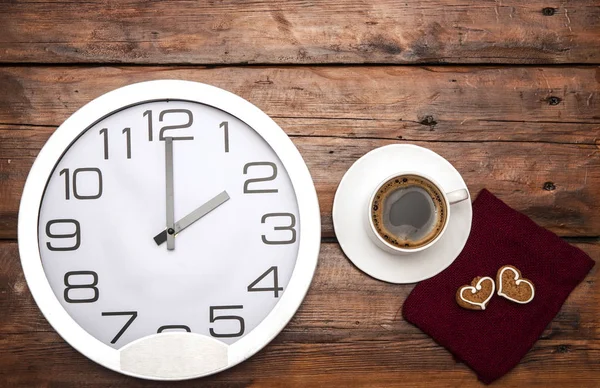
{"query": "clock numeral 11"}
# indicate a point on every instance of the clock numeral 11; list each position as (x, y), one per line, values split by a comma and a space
(126, 131)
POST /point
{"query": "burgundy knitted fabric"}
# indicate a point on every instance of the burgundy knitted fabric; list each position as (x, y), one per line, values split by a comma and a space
(493, 341)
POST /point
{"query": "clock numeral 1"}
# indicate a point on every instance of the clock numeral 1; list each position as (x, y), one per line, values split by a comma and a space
(225, 126)
(290, 228)
(81, 286)
(126, 131)
(76, 194)
(133, 315)
(174, 327)
(214, 318)
(76, 234)
(161, 116)
(248, 190)
(275, 287)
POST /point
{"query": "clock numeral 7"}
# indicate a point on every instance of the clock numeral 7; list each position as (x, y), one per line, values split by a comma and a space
(275, 287)
(214, 318)
(161, 117)
(290, 228)
(133, 315)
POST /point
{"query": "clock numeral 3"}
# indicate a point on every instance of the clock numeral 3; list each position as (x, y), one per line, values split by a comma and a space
(76, 235)
(275, 287)
(214, 318)
(248, 190)
(81, 286)
(290, 228)
(161, 116)
(174, 327)
(87, 182)
(133, 315)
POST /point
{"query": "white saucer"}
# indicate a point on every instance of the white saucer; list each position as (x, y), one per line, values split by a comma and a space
(349, 213)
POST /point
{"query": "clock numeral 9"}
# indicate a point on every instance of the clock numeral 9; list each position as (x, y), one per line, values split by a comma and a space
(275, 287)
(270, 165)
(174, 327)
(161, 116)
(214, 318)
(290, 228)
(76, 235)
(87, 182)
(81, 286)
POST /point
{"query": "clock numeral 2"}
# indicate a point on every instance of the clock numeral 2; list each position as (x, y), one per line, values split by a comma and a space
(81, 286)
(95, 171)
(133, 315)
(275, 287)
(289, 228)
(248, 190)
(161, 116)
(76, 234)
(214, 318)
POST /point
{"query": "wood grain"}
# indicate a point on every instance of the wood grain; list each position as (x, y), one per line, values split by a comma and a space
(349, 330)
(298, 31)
(494, 124)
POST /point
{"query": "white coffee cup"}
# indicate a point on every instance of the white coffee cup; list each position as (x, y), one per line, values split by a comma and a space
(442, 214)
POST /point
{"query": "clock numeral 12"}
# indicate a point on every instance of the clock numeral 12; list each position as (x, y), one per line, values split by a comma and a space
(275, 287)
(214, 318)
(161, 116)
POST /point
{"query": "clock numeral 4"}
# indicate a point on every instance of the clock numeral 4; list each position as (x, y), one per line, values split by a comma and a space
(270, 166)
(214, 318)
(72, 296)
(161, 117)
(76, 234)
(275, 288)
(289, 227)
(133, 315)
(92, 181)
(174, 327)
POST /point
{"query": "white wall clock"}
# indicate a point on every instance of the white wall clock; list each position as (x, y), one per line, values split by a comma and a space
(169, 230)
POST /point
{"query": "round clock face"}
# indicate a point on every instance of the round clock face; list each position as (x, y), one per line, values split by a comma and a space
(171, 223)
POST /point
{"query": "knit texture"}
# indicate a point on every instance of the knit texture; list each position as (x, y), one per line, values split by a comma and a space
(493, 341)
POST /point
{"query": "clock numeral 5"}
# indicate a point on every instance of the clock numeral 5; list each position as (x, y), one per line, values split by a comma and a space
(133, 315)
(161, 116)
(271, 166)
(81, 286)
(275, 287)
(290, 228)
(214, 318)
(94, 175)
(76, 235)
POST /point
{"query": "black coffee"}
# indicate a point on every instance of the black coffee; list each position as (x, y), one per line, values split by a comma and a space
(408, 211)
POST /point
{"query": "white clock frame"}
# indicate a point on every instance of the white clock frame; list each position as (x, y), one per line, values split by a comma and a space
(169, 356)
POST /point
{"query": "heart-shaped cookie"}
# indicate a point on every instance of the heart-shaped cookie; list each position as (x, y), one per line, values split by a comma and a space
(512, 286)
(477, 295)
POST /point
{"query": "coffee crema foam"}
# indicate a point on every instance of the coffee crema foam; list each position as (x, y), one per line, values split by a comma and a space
(426, 222)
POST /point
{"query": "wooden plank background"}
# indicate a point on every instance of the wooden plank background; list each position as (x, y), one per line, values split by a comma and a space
(508, 91)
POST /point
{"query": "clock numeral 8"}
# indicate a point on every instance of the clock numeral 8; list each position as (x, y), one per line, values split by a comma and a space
(81, 286)
(289, 227)
(213, 318)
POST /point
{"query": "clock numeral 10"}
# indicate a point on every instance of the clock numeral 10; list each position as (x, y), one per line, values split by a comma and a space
(275, 288)
(161, 116)
(94, 194)
(214, 318)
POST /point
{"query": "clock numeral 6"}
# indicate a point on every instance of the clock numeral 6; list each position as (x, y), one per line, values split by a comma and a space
(76, 234)
(70, 296)
(161, 116)
(269, 165)
(290, 228)
(94, 184)
(174, 327)
(214, 318)
(275, 287)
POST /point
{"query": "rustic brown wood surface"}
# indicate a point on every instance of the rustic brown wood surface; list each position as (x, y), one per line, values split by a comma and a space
(334, 77)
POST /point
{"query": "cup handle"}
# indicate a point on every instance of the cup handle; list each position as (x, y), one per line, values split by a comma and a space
(457, 196)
